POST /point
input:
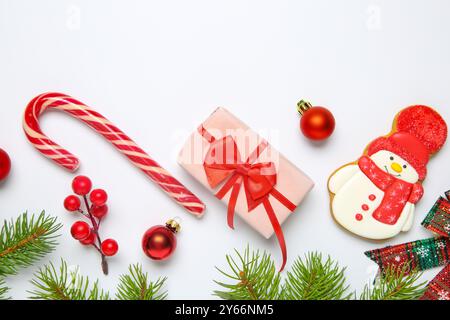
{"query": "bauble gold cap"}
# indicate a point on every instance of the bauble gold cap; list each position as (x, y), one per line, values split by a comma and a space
(303, 106)
(173, 225)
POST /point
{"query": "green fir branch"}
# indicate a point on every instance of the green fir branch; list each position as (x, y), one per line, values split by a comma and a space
(51, 283)
(254, 277)
(3, 290)
(63, 284)
(316, 279)
(137, 286)
(26, 240)
(395, 284)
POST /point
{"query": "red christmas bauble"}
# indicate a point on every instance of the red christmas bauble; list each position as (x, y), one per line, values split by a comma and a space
(159, 242)
(5, 164)
(316, 123)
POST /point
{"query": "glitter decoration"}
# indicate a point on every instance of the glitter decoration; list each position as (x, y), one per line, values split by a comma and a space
(438, 288)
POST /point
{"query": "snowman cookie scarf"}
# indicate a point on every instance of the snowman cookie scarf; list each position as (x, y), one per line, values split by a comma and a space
(396, 191)
(375, 196)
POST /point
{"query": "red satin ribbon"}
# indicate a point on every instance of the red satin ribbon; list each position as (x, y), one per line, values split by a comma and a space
(223, 164)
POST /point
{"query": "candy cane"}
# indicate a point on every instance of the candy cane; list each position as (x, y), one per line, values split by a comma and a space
(120, 140)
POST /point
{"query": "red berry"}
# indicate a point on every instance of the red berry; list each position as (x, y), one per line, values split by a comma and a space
(81, 185)
(99, 212)
(90, 239)
(72, 203)
(5, 164)
(98, 197)
(80, 230)
(110, 247)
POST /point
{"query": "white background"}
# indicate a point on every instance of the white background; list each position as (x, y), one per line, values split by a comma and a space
(158, 68)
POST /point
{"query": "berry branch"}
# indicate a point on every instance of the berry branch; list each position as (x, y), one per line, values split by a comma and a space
(82, 231)
(96, 226)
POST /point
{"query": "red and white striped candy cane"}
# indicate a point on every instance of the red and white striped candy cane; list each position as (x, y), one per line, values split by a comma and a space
(120, 140)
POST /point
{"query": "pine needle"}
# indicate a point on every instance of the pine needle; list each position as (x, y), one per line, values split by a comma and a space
(395, 284)
(26, 240)
(3, 290)
(254, 276)
(51, 283)
(62, 284)
(315, 279)
(137, 286)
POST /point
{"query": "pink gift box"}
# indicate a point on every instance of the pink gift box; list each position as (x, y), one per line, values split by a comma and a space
(291, 182)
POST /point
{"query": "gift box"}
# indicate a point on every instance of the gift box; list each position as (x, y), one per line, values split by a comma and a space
(245, 172)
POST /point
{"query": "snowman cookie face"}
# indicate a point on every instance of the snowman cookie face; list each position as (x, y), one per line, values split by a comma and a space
(395, 166)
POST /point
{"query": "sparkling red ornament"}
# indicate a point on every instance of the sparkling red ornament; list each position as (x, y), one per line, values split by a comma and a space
(98, 197)
(99, 211)
(110, 247)
(72, 203)
(316, 123)
(81, 185)
(80, 230)
(159, 242)
(5, 164)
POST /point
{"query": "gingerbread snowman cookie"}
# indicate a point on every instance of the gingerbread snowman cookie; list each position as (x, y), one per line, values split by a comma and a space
(375, 196)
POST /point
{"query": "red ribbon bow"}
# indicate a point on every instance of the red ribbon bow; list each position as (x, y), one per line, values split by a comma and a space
(223, 163)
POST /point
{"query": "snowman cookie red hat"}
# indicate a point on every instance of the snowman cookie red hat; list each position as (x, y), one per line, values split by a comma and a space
(375, 196)
(419, 132)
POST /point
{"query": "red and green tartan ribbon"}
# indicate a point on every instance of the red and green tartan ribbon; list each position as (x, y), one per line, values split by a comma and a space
(439, 287)
(419, 255)
(438, 219)
(424, 254)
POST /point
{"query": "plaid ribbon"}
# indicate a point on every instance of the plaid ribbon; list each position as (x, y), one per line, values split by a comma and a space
(438, 219)
(424, 254)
